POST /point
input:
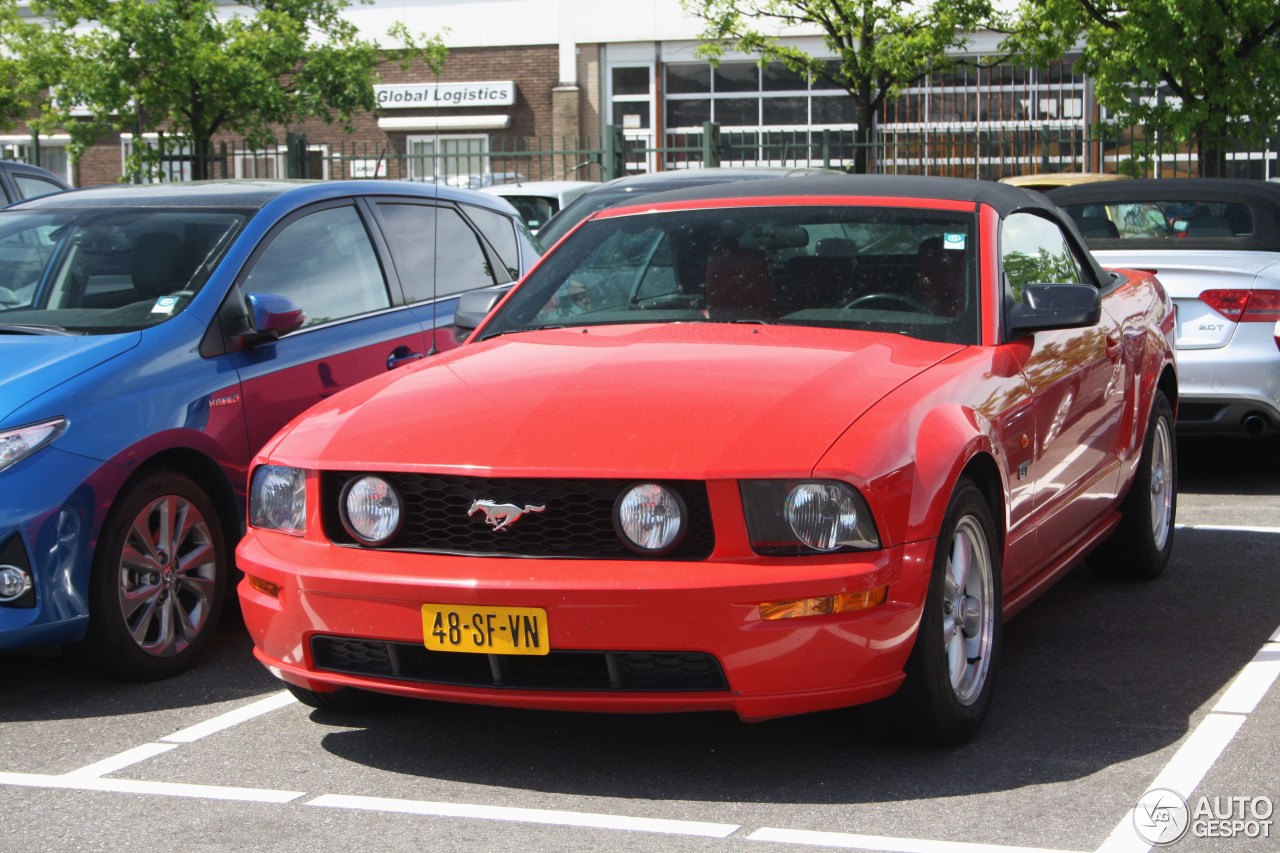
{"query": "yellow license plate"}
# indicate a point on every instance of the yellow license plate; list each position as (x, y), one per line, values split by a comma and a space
(487, 630)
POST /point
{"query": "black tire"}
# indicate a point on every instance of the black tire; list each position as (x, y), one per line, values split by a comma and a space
(158, 581)
(343, 700)
(1139, 548)
(945, 697)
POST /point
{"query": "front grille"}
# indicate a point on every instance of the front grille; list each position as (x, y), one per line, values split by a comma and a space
(564, 670)
(577, 521)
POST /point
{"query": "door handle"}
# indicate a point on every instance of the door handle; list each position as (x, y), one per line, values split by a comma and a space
(1114, 348)
(401, 355)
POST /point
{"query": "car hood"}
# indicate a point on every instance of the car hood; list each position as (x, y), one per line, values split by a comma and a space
(31, 365)
(700, 401)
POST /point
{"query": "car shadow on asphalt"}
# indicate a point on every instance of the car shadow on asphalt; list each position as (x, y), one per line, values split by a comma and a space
(1230, 466)
(49, 684)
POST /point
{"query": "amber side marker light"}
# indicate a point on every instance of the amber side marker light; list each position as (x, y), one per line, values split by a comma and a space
(844, 602)
(264, 586)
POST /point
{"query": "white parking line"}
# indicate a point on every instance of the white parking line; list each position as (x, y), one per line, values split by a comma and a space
(73, 782)
(231, 718)
(1184, 772)
(121, 761)
(1226, 528)
(1197, 755)
(519, 815)
(1253, 682)
(851, 841)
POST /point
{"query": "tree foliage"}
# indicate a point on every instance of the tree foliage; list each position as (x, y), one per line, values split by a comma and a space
(1216, 63)
(196, 68)
(882, 46)
(18, 90)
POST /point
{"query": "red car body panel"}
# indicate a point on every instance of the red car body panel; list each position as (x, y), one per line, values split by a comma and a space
(616, 412)
(1058, 418)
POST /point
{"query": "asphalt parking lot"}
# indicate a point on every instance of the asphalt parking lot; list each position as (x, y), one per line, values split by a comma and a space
(1107, 691)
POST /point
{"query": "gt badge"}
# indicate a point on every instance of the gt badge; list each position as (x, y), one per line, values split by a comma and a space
(498, 515)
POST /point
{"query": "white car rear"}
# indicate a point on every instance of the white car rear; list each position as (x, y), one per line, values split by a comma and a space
(1215, 245)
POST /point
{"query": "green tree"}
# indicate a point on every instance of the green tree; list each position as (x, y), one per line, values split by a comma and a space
(18, 91)
(882, 46)
(1219, 60)
(189, 69)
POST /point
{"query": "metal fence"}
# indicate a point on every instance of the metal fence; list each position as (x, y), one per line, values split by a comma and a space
(969, 152)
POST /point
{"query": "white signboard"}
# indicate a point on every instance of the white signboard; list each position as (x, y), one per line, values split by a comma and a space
(367, 168)
(401, 96)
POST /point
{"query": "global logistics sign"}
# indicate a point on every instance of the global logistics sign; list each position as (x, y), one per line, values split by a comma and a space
(415, 95)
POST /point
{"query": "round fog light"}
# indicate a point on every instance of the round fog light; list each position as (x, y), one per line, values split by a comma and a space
(650, 518)
(372, 510)
(14, 583)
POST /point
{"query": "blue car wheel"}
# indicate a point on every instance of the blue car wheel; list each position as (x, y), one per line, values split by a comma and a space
(159, 579)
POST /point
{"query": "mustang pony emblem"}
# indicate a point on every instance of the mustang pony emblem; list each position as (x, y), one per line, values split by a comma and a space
(498, 515)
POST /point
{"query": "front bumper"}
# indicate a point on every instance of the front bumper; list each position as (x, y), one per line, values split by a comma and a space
(603, 610)
(51, 506)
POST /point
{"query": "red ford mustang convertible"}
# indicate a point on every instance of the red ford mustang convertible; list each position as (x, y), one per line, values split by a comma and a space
(770, 447)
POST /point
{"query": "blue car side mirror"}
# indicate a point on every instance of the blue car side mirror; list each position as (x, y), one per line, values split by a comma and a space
(274, 315)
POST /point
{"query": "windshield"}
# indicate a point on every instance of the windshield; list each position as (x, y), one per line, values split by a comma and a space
(106, 271)
(895, 270)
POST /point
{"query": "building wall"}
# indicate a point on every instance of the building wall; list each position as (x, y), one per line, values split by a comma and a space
(533, 68)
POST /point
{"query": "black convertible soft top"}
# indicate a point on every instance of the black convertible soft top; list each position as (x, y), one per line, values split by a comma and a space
(1003, 198)
(1261, 197)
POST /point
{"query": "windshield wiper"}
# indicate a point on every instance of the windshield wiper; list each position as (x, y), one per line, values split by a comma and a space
(32, 329)
(741, 321)
(518, 329)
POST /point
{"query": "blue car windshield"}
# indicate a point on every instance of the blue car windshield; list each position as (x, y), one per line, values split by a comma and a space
(106, 271)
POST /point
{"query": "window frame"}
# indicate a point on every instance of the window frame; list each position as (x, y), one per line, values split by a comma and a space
(391, 284)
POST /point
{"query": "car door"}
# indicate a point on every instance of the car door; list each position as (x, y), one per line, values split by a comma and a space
(439, 254)
(1077, 384)
(325, 260)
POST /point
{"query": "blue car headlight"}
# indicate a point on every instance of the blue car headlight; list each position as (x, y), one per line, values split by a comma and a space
(19, 443)
(278, 499)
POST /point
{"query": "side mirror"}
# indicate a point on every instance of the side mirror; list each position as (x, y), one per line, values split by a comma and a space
(273, 316)
(475, 305)
(1055, 306)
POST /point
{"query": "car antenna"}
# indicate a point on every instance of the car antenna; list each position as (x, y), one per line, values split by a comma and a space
(432, 349)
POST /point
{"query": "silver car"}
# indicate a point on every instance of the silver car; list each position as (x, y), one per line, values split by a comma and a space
(1215, 245)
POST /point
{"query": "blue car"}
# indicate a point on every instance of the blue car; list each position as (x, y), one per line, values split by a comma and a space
(152, 338)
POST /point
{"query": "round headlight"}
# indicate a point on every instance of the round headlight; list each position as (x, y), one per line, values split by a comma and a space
(372, 510)
(823, 516)
(650, 518)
